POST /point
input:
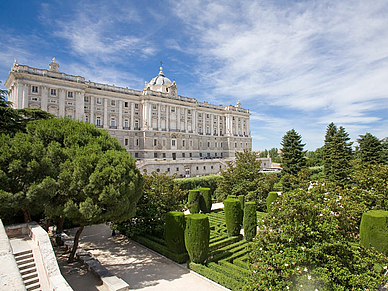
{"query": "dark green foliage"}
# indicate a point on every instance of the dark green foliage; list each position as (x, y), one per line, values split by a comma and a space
(241, 176)
(205, 202)
(374, 230)
(310, 239)
(209, 181)
(337, 154)
(314, 158)
(197, 236)
(272, 196)
(161, 195)
(233, 216)
(161, 249)
(371, 149)
(175, 231)
(232, 197)
(193, 201)
(293, 159)
(241, 198)
(250, 220)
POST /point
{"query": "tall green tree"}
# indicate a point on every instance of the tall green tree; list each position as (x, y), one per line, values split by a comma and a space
(371, 149)
(337, 155)
(293, 159)
(68, 168)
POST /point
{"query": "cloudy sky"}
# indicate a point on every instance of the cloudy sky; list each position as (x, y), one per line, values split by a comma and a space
(293, 64)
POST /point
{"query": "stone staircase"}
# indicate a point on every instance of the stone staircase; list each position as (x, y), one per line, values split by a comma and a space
(26, 264)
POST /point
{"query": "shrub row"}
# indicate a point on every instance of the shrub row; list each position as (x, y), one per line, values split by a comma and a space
(161, 249)
(174, 232)
(200, 200)
(227, 272)
(250, 221)
(209, 181)
(216, 276)
(197, 235)
(233, 216)
(225, 242)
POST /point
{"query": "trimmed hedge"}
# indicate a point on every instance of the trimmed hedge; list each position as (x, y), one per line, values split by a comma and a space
(233, 216)
(209, 181)
(250, 221)
(197, 236)
(205, 202)
(161, 249)
(216, 276)
(193, 201)
(175, 232)
(231, 196)
(374, 230)
(272, 196)
(241, 198)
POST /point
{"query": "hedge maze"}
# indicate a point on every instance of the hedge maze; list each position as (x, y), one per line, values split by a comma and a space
(227, 263)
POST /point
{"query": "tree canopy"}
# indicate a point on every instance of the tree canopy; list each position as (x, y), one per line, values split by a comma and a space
(371, 149)
(68, 168)
(293, 159)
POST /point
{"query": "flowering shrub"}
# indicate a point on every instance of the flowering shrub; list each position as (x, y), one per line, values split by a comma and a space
(309, 241)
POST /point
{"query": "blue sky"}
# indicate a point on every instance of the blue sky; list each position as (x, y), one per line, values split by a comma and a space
(294, 64)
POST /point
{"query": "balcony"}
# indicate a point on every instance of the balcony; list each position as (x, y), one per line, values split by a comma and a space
(113, 127)
(126, 127)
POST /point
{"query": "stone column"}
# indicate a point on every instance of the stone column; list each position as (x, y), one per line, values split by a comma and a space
(203, 123)
(120, 125)
(218, 124)
(167, 118)
(106, 125)
(194, 122)
(25, 96)
(159, 125)
(91, 117)
(211, 124)
(44, 98)
(178, 118)
(132, 126)
(185, 119)
(79, 106)
(61, 102)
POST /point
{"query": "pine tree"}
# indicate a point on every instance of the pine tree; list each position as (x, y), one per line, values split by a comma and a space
(371, 149)
(293, 159)
(337, 155)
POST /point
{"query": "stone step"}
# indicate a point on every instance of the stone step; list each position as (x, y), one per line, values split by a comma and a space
(22, 253)
(23, 256)
(34, 286)
(30, 275)
(25, 261)
(31, 281)
(26, 266)
(28, 270)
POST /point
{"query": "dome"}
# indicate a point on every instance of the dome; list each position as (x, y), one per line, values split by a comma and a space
(161, 83)
(160, 79)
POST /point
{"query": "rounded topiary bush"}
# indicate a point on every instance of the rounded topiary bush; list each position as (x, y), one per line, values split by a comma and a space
(175, 232)
(193, 201)
(272, 196)
(197, 236)
(250, 220)
(374, 230)
(205, 202)
(233, 216)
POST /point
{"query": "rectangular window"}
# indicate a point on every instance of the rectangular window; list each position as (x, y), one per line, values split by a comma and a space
(34, 89)
(136, 155)
(137, 142)
(155, 155)
(155, 142)
(188, 111)
(53, 92)
(183, 155)
(199, 114)
(113, 102)
(112, 122)
(126, 104)
(70, 94)
(168, 169)
(136, 106)
(126, 141)
(126, 123)
(98, 100)
(136, 124)
(191, 155)
(183, 143)
(164, 155)
(86, 99)
(86, 117)
(98, 121)
(70, 116)
(200, 155)
(177, 169)
(173, 142)
(153, 106)
(172, 109)
(207, 115)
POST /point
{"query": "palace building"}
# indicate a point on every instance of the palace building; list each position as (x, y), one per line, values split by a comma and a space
(161, 129)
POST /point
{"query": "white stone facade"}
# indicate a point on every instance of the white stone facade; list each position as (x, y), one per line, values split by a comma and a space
(157, 126)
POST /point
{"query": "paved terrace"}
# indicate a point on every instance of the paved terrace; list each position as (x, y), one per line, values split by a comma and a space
(140, 267)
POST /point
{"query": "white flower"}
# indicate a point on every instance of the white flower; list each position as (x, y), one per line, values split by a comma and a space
(309, 277)
(385, 267)
(286, 265)
(321, 214)
(305, 269)
(289, 240)
(288, 288)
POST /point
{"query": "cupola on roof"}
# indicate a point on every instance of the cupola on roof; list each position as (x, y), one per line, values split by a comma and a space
(161, 83)
(160, 79)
